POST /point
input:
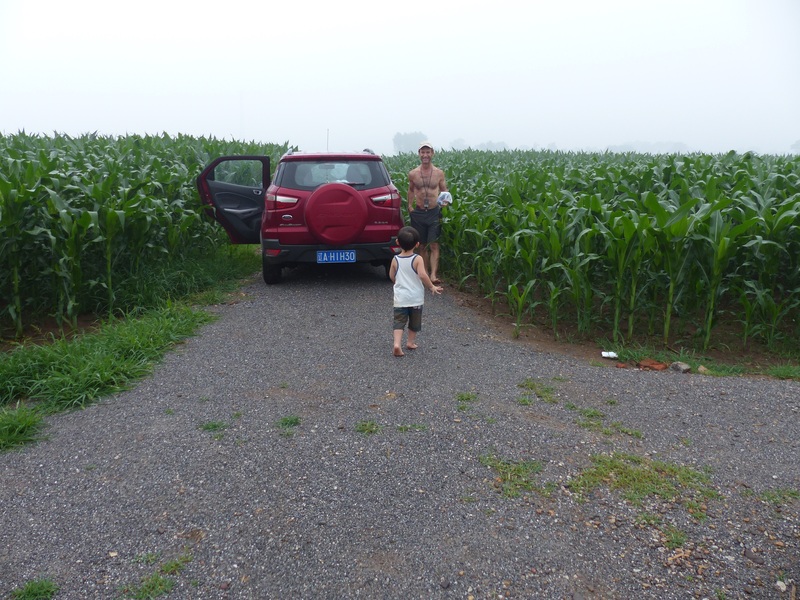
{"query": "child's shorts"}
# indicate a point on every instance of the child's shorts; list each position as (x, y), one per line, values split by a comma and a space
(408, 314)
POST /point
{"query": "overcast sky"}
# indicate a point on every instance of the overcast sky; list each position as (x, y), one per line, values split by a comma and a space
(713, 75)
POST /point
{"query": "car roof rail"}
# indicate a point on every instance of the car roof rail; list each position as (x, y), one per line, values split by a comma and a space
(368, 151)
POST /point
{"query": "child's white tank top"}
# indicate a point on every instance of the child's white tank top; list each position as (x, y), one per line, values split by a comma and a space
(408, 288)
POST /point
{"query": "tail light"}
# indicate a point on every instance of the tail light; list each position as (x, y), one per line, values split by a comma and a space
(281, 200)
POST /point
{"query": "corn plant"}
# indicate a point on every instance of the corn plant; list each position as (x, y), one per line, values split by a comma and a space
(519, 301)
(718, 239)
(80, 217)
(656, 237)
(629, 244)
(672, 226)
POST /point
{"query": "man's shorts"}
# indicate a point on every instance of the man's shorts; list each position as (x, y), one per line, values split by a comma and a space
(428, 224)
(408, 314)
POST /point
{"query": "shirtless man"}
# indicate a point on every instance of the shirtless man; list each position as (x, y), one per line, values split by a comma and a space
(425, 183)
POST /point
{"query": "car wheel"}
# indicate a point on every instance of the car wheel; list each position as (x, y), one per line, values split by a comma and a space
(335, 214)
(271, 273)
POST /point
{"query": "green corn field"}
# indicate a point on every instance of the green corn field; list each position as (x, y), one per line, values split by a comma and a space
(628, 245)
(80, 216)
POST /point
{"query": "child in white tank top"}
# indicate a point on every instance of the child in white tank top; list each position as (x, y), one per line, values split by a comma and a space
(410, 280)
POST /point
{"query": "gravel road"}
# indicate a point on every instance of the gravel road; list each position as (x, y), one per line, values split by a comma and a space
(148, 481)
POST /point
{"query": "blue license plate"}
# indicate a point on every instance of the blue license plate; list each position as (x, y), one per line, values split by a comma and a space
(336, 256)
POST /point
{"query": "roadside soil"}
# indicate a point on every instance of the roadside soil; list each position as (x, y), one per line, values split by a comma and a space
(727, 349)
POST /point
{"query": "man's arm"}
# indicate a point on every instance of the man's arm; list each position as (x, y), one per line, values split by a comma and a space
(412, 192)
(442, 183)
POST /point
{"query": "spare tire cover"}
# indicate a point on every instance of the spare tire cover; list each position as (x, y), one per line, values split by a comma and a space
(335, 214)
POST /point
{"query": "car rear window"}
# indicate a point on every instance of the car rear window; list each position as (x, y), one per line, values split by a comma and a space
(308, 175)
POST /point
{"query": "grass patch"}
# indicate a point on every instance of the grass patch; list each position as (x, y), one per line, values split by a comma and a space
(674, 537)
(175, 566)
(591, 413)
(785, 372)
(205, 279)
(513, 477)
(368, 427)
(648, 519)
(38, 589)
(780, 497)
(148, 558)
(637, 478)
(545, 392)
(288, 424)
(465, 399)
(19, 426)
(592, 419)
(594, 425)
(619, 427)
(214, 426)
(414, 427)
(153, 586)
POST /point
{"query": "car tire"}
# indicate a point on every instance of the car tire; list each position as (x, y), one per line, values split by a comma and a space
(270, 273)
(336, 214)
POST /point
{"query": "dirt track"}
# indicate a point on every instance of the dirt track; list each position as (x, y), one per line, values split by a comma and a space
(119, 489)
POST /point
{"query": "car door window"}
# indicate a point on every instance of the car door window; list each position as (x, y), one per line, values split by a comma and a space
(239, 172)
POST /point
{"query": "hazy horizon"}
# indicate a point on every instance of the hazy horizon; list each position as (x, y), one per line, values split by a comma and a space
(709, 76)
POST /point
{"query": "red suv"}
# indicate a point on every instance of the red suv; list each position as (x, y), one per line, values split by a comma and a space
(322, 207)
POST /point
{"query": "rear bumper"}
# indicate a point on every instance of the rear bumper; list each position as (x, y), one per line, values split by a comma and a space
(285, 256)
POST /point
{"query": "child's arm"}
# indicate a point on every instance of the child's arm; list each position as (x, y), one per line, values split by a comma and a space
(393, 269)
(419, 265)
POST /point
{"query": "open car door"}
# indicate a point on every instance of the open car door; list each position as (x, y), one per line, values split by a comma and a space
(232, 189)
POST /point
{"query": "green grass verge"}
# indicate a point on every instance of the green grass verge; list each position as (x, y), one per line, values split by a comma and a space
(66, 373)
(19, 426)
(73, 373)
(785, 372)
